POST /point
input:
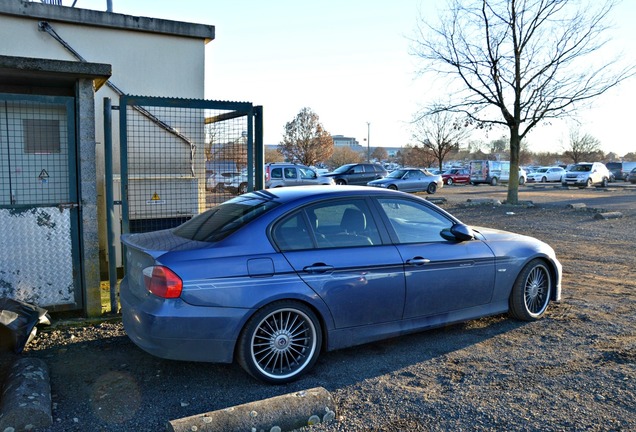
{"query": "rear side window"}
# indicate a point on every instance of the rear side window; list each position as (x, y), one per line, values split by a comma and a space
(277, 173)
(224, 219)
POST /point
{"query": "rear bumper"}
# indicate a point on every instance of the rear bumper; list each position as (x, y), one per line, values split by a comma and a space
(173, 329)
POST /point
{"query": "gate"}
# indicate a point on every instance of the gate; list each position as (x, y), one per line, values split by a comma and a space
(179, 157)
(39, 211)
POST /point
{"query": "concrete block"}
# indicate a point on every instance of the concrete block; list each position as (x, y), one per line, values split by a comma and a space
(608, 215)
(278, 414)
(25, 403)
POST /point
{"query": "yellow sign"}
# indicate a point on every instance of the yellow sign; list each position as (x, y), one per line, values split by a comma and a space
(155, 197)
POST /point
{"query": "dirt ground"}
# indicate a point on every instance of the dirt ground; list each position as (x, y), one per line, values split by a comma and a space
(573, 370)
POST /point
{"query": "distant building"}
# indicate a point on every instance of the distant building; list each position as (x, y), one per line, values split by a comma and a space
(343, 141)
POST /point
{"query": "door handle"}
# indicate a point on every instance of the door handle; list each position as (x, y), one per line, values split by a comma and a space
(418, 261)
(318, 268)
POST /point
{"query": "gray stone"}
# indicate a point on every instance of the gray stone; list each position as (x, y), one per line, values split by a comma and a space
(25, 403)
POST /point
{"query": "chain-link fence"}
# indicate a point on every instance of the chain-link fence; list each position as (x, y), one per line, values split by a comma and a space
(181, 157)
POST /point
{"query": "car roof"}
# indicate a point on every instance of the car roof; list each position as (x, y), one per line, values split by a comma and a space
(288, 194)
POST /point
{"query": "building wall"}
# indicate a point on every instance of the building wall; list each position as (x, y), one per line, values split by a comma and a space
(149, 57)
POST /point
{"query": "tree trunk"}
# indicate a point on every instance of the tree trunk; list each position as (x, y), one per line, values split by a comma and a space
(513, 180)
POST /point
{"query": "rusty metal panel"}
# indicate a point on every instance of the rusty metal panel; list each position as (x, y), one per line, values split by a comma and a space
(36, 261)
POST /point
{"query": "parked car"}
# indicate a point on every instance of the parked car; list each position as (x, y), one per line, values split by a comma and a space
(546, 174)
(272, 279)
(357, 174)
(410, 180)
(631, 177)
(587, 174)
(218, 181)
(287, 174)
(492, 172)
(620, 170)
(456, 175)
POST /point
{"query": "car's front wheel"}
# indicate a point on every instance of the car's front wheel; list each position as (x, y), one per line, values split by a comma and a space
(531, 292)
(449, 181)
(280, 342)
(341, 182)
(392, 187)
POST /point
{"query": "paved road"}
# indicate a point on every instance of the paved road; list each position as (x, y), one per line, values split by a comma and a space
(617, 197)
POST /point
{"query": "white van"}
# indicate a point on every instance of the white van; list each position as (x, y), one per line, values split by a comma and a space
(492, 172)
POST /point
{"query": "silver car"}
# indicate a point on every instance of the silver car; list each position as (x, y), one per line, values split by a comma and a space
(410, 180)
(287, 174)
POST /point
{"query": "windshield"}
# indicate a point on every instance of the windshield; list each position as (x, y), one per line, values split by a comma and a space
(397, 174)
(582, 168)
(343, 169)
(222, 220)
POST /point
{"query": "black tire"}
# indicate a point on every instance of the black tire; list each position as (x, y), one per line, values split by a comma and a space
(604, 182)
(544, 179)
(493, 181)
(242, 188)
(432, 188)
(522, 180)
(392, 187)
(449, 181)
(280, 342)
(341, 182)
(588, 183)
(531, 292)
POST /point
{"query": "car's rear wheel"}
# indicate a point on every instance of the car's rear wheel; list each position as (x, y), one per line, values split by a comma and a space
(431, 189)
(280, 342)
(531, 292)
(493, 181)
(242, 188)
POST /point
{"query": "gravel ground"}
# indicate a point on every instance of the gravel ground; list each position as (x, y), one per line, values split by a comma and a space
(573, 370)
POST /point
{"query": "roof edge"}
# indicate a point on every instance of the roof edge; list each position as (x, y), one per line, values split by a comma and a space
(95, 18)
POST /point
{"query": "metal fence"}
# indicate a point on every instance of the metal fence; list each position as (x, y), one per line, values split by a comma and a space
(180, 157)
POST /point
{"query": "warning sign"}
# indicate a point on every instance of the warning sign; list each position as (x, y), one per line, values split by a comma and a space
(156, 199)
(43, 175)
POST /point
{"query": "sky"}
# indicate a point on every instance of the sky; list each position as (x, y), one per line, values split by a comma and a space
(351, 62)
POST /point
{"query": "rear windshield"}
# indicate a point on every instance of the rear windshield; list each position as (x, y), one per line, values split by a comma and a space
(221, 221)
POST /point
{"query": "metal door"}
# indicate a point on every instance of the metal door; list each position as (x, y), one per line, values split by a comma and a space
(39, 222)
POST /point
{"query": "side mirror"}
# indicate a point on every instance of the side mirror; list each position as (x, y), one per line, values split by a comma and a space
(458, 232)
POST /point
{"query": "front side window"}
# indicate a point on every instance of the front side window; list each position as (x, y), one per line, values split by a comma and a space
(414, 222)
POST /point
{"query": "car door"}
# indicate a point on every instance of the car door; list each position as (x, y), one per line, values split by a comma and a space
(441, 276)
(336, 248)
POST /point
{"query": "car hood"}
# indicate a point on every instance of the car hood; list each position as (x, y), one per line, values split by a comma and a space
(491, 234)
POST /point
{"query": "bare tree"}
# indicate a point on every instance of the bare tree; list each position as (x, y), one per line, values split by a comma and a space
(582, 147)
(345, 155)
(273, 155)
(379, 154)
(415, 156)
(441, 133)
(519, 63)
(305, 140)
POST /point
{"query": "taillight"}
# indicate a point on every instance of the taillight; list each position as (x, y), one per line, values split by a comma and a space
(163, 282)
(267, 174)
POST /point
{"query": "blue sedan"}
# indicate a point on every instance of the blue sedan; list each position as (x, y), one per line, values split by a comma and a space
(272, 278)
(410, 180)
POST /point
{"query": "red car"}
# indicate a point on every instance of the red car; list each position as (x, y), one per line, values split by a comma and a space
(456, 175)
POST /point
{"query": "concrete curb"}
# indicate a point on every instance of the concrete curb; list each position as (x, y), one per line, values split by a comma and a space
(25, 403)
(608, 215)
(278, 414)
